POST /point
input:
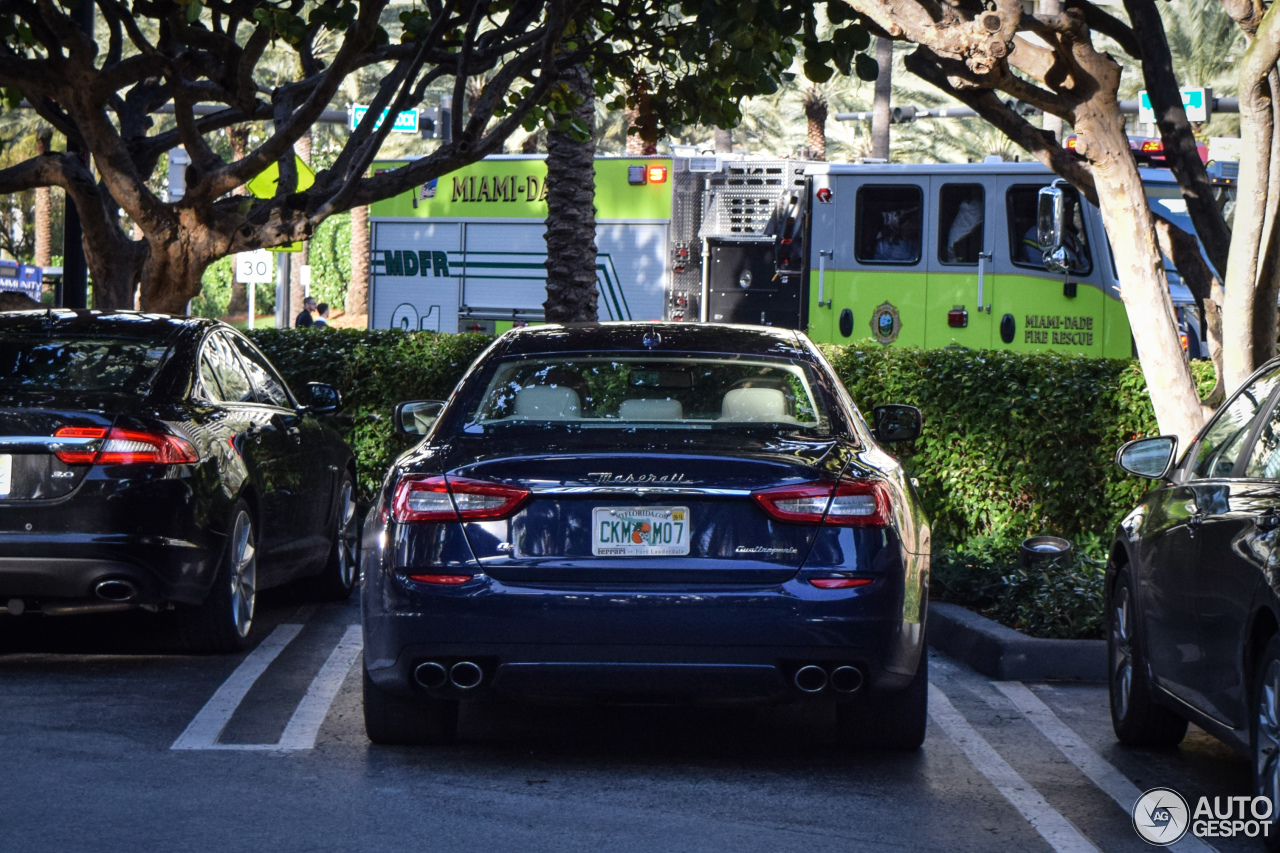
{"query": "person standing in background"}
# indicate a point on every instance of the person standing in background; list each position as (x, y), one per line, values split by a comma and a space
(304, 320)
(322, 318)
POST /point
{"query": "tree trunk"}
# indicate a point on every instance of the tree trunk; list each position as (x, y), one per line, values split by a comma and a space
(641, 117)
(884, 92)
(1146, 291)
(239, 139)
(724, 140)
(44, 209)
(571, 216)
(358, 290)
(815, 113)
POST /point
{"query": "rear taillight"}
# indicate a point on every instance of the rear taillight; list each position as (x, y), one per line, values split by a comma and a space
(124, 447)
(855, 503)
(428, 498)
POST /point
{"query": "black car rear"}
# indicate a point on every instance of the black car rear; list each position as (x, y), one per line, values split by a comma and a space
(124, 472)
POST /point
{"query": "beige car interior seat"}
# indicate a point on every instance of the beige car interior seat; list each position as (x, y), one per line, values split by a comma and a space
(641, 409)
(548, 403)
(754, 404)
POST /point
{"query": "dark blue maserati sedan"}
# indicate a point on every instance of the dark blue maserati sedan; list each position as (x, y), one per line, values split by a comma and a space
(647, 513)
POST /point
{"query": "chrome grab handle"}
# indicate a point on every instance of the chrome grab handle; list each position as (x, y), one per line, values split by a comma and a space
(823, 254)
(983, 257)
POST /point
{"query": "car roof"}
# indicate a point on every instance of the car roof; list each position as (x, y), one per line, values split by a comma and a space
(671, 338)
(120, 324)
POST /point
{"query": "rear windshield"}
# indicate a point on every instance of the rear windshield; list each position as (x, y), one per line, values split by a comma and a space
(66, 363)
(608, 392)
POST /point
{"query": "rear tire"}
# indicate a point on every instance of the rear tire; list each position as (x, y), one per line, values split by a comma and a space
(223, 622)
(894, 722)
(342, 568)
(393, 721)
(1135, 716)
(1265, 735)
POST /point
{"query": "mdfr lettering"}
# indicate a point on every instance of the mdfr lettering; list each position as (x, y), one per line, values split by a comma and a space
(415, 263)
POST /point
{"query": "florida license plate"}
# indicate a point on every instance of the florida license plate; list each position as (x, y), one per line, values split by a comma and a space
(649, 531)
(6, 474)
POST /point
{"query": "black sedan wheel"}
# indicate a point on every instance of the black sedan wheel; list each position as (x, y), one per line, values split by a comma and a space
(223, 622)
(1266, 735)
(338, 578)
(391, 720)
(1136, 718)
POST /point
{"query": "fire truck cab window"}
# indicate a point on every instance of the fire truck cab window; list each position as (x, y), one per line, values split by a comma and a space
(1024, 250)
(961, 213)
(888, 224)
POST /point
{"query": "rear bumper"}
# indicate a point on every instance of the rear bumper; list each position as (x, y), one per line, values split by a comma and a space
(689, 645)
(69, 567)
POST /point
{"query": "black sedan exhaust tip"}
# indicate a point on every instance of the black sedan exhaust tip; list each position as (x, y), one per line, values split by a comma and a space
(810, 679)
(465, 675)
(430, 675)
(116, 591)
(846, 679)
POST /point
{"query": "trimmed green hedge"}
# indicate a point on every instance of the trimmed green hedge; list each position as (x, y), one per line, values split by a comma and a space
(374, 371)
(1013, 446)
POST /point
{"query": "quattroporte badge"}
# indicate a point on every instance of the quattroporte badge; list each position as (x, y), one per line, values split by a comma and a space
(885, 323)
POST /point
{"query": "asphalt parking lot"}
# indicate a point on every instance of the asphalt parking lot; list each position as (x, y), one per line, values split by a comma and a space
(113, 742)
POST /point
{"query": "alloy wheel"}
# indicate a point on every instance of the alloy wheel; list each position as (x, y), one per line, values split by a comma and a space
(1122, 652)
(1267, 738)
(347, 535)
(244, 574)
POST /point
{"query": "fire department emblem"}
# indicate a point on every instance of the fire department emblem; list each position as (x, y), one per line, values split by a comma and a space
(885, 323)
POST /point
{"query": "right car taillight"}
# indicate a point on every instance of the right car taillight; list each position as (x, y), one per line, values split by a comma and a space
(420, 497)
(847, 503)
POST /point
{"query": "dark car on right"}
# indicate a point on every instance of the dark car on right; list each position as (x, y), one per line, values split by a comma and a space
(1193, 588)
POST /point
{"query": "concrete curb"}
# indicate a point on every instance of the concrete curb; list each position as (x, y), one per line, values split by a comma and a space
(1003, 653)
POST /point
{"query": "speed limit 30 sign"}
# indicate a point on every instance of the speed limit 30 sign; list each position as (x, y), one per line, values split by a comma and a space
(257, 267)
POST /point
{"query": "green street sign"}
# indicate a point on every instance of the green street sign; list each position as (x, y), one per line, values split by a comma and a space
(263, 185)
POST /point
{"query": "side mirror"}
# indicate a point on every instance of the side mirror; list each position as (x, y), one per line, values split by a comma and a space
(322, 399)
(1051, 206)
(1148, 457)
(417, 416)
(895, 423)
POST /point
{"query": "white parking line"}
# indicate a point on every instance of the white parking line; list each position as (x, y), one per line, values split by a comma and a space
(1052, 826)
(204, 729)
(1099, 771)
(305, 723)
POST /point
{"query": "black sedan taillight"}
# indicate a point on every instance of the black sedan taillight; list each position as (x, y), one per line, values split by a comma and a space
(855, 503)
(435, 498)
(124, 447)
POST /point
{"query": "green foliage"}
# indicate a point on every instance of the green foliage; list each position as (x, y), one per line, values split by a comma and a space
(374, 371)
(1055, 599)
(330, 260)
(215, 293)
(1014, 445)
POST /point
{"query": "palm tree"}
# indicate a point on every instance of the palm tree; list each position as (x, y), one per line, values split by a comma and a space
(571, 218)
(815, 113)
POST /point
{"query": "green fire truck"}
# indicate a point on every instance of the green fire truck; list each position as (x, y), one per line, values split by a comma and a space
(905, 255)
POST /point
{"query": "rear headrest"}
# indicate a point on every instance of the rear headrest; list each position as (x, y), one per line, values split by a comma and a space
(650, 410)
(548, 403)
(754, 404)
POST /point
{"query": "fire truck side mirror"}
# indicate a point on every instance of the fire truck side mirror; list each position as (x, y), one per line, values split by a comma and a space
(1050, 212)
